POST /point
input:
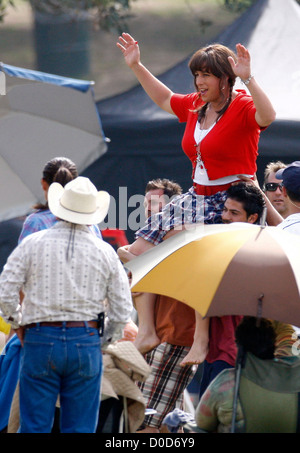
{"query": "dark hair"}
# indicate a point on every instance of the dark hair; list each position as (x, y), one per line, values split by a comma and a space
(170, 188)
(250, 196)
(256, 335)
(58, 169)
(214, 59)
(294, 196)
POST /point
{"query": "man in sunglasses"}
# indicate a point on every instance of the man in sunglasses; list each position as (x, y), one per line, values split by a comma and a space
(273, 188)
(290, 177)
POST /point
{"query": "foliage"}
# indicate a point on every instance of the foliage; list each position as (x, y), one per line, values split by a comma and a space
(3, 8)
(238, 5)
(107, 14)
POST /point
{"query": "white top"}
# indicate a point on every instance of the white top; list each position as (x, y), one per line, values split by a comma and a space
(60, 290)
(201, 176)
(291, 224)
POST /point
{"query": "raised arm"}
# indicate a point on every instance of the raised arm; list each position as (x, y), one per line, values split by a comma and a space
(265, 113)
(156, 90)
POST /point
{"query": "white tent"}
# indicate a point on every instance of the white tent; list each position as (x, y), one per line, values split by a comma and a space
(274, 46)
(270, 30)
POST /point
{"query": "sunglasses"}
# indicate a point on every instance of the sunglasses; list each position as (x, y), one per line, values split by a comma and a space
(272, 186)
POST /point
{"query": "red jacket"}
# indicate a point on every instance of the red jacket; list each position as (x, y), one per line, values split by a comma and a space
(231, 146)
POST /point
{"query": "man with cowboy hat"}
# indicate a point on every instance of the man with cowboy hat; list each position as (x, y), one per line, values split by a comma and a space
(66, 273)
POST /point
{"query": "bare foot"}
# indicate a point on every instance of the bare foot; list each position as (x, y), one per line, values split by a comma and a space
(196, 355)
(146, 342)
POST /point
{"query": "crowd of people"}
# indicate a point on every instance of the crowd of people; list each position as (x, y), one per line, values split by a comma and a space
(63, 287)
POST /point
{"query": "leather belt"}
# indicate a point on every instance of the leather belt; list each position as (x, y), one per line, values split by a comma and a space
(62, 323)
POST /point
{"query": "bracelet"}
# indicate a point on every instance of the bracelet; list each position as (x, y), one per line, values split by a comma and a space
(246, 82)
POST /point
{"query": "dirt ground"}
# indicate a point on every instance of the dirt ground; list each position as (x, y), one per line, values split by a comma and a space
(167, 31)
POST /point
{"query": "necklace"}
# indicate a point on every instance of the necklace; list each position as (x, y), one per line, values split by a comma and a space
(205, 116)
(198, 155)
(203, 133)
(199, 160)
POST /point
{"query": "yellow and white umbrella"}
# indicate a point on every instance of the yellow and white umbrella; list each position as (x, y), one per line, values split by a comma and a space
(235, 269)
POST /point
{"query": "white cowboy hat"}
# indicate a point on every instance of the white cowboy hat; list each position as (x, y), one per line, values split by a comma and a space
(78, 202)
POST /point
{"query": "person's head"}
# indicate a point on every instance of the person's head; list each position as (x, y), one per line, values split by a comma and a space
(211, 64)
(273, 187)
(244, 203)
(290, 177)
(257, 336)
(58, 169)
(158, 193)
(78, 202)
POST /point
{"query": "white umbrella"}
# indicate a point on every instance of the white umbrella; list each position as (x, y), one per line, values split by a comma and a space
(43, 116)
(235, 269)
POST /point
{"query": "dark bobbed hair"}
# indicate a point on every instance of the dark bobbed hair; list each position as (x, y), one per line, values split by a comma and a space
(214, 59)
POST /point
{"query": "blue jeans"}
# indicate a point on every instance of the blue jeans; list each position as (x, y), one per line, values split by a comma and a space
(210, 371)
(64, 362)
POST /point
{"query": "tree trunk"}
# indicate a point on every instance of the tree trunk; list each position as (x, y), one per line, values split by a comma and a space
(62, 44)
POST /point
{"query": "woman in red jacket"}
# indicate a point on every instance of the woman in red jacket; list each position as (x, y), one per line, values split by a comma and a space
(221, 138)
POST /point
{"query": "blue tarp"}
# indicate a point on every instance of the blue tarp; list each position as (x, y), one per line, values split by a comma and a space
(81, 85)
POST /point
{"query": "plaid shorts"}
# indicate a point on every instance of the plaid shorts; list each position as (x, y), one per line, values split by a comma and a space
(163, 390)
(188, 208)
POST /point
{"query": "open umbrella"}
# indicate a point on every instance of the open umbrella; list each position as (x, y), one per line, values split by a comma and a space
(42, 116)
(235, 269)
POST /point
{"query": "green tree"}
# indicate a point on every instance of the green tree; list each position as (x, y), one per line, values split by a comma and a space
(107, 14)
(238, 5)
(3, 8)
(61, 30)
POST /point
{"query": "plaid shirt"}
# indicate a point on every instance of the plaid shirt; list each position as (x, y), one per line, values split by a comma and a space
(184, 209)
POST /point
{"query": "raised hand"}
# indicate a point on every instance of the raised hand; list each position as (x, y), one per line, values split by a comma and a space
(241, 67)
(156, 90)
(130, 49)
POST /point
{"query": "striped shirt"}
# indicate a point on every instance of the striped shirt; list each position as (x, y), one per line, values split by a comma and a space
(60, 289)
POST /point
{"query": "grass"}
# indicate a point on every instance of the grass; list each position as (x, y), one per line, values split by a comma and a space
(167, 31)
